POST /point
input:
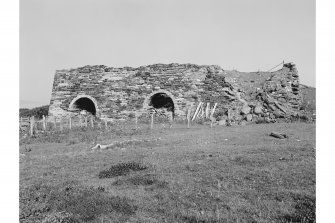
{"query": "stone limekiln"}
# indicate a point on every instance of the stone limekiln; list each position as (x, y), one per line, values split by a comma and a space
(120, 93)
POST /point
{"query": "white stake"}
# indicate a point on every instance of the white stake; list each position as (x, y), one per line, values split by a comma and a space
(196, 111)
(207, 110)
(32, 123)
(152, 120)
(214, 109)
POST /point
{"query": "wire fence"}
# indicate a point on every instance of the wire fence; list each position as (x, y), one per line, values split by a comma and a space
(32, 126)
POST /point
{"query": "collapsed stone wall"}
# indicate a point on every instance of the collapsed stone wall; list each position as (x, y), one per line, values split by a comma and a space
(119, 93)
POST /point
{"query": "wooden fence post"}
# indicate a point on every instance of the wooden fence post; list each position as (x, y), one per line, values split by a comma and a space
(152, 120)
(81, 120)
(202, 111)
(136, 119)
(106, 124)
(70, 122)
(44, 124)
(32, 123)
(92, 124)
(55, 123)
(61, 124)
(207, 110)
(85, 121)
(189, 117)
(212, 114)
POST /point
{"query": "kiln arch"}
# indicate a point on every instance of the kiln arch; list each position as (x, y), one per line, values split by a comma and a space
(84, 102)
(161, 99)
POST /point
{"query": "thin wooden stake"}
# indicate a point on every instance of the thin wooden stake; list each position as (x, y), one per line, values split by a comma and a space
(212, 113)
(196, 111)
(70, 122)
(85, 121)
(55, 124)
(61, 124)
(32, 123)
(152, 120)
(202, 114)
(92, 124)
(44, 124)
(106, 126)
(207, 110)
(136, 120)
(189, 117)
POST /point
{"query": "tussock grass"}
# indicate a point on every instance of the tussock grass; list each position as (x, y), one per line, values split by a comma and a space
(121, 169)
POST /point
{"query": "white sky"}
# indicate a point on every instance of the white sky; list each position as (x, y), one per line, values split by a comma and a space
(240, 34)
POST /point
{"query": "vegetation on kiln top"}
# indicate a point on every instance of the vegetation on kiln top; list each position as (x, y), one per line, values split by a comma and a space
(103, 68)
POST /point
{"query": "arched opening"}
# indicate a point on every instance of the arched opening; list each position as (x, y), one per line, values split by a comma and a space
(162, 101)
(83, 103)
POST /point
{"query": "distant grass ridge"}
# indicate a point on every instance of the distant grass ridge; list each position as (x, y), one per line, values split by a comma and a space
(37, 112)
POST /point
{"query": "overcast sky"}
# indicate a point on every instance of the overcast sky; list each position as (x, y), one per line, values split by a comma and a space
(235, 34)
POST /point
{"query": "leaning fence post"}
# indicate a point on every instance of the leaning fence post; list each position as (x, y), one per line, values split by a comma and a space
(196, 111)
(152, 120)
(32, 123)
(212, 113)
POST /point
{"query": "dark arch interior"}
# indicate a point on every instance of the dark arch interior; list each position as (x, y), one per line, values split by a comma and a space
(85, 104)
(162, 100)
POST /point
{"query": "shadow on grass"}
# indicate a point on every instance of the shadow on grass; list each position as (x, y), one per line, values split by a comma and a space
(143, 180)
(70, 202)
(304, 210)
(121, 169)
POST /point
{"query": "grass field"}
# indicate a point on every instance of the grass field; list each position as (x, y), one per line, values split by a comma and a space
(201, 174)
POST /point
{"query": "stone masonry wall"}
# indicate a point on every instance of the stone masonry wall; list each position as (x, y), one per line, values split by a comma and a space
(120, 92)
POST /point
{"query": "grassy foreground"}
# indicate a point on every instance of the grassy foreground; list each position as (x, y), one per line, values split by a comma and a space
(223, 174)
